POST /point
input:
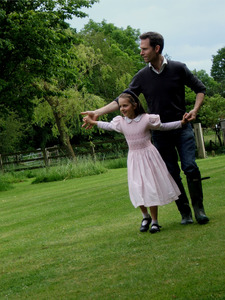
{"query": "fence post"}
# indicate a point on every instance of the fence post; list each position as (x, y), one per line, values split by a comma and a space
(45, 155)
(199, 140)
(222, 125)
(1, 163)
(93, 150)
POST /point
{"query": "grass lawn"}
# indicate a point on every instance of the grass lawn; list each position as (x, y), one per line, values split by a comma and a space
(80, 239)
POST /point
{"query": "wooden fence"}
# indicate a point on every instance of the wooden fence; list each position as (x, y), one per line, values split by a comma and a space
(46, 157)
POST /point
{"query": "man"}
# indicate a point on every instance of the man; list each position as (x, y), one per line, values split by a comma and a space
(163, 84)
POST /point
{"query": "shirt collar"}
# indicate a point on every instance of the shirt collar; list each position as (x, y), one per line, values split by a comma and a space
(137, 119)
(162, 66)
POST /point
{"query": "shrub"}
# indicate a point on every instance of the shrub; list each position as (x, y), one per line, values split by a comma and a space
(82, 167)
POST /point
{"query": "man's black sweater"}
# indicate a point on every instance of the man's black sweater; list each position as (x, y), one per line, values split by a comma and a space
(165, 92)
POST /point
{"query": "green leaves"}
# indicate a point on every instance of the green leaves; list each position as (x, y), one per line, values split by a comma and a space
(218, 67)
(212, 111)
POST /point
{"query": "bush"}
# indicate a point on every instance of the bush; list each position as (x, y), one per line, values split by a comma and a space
(5, 185)
(116, 163)
(82, 167)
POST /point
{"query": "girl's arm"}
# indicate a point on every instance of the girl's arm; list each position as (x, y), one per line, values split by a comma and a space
(93, 115)
(103, 125)
(174, 125)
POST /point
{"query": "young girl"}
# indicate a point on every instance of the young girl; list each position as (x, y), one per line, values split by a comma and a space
(149, 181)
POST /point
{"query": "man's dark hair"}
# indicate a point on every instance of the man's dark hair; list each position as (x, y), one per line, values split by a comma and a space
(154, 38)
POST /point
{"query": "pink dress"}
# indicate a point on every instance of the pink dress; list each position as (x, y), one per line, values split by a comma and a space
(150, 183)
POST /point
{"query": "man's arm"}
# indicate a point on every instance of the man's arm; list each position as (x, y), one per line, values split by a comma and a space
(198, 102)
(111, 107)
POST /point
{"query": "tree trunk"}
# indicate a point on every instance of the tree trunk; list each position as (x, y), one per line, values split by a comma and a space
(62, 129)
(64, 136)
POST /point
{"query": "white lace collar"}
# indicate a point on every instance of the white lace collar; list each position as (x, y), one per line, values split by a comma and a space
(137, 119)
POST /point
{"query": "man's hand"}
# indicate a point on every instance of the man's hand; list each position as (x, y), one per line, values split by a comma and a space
(198, 102)
(191, 115)
(184, 120)
(89, 115)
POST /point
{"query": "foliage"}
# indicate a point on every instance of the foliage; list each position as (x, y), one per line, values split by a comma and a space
(212, 86)
(11, 132)
(213, 106)
(66, 169)
(116, 163)
(212, 111)
(190, 98)
(5, 185)
(33, 45)
(218, 66)
(120, 57)
(218, 69)
(36, 44)
(63, 9)
(69, 103)
(82, 167)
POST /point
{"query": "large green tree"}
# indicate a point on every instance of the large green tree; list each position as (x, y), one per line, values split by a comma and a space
(12, 130)
(218, 66)
(213, 108)
(35, 43)
(60, 105)
(212, 111)
(218, 69)
(212, 86)
(120, 57)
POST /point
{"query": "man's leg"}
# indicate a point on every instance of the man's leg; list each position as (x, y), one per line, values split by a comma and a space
(186, 149)
(195, 189)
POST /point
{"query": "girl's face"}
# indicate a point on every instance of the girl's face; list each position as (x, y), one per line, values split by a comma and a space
(126, 108)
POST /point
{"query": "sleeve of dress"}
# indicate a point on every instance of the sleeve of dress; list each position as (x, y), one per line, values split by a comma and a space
(155, 124)
(114, 125)
(170, 125)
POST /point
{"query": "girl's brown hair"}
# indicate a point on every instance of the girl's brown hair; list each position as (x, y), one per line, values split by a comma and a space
(133, 99)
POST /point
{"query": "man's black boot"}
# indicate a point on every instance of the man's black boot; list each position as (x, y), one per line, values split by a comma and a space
(195, 189)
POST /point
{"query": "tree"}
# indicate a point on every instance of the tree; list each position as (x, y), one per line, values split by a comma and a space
(218, 69)
(35, 41)
(11, 132)
(218, 66)
(212, 111)
(212, 86)
(120, 57)
(67, 101)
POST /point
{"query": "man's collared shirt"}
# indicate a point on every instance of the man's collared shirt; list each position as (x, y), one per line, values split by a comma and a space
(162, 67)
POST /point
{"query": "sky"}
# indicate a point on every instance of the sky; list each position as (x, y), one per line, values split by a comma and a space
(193, 30)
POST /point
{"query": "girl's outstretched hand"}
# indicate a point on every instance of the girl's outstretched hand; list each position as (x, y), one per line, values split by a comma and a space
(89, 119)
(185, 119)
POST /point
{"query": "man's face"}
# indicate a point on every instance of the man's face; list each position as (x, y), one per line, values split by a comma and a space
(147, 52)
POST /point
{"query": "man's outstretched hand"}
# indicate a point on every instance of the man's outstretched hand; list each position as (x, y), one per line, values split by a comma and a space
(89, 115)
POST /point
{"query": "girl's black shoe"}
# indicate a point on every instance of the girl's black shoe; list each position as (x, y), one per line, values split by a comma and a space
(155, 228)
(146, 222)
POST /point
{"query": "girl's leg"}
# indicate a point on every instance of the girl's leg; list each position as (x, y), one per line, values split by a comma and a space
(154, 213)
(144, 211)
(146, 219)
